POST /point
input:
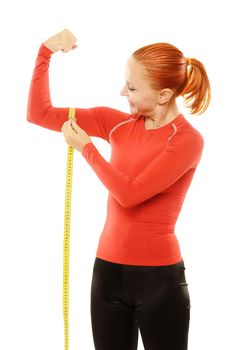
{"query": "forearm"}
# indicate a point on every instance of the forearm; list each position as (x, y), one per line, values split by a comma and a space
(181, 154)
(39, 101)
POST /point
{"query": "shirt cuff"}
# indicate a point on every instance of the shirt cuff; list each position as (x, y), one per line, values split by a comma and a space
(88, 147)
(45, 50)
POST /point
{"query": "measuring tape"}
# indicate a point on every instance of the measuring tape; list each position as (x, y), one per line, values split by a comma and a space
(66, 244)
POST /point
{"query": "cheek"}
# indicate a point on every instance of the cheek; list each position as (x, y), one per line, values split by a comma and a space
(143, 103)
(147, 101)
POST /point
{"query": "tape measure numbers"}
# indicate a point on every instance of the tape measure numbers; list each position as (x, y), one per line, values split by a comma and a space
(66, 243)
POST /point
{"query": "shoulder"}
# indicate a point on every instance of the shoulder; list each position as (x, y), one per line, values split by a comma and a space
(186, 138)
(188, 131)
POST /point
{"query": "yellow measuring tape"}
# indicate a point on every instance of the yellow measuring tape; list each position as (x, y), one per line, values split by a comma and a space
(66, 246)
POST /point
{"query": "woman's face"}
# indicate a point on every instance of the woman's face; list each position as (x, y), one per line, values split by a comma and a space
(141, 97)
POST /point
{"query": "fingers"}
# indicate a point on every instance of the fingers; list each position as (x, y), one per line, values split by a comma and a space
(68, 125)
(73, 122)
(65, 126)
(73, 128)
(69, 40)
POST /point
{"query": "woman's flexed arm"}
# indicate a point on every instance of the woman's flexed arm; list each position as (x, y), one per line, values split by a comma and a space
(39, 107)
(96, 121)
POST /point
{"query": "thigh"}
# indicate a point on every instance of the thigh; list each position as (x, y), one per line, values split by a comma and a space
(164, 316)
(113, 320)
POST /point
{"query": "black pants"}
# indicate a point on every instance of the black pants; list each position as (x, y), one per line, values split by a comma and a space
(153, 299)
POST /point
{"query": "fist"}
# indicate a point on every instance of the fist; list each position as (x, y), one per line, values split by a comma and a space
(63, 41)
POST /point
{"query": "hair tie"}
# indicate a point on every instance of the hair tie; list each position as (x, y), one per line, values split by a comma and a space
(189, 61)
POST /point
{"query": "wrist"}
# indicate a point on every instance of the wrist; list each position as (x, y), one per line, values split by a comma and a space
(49, 46)
(85, 145)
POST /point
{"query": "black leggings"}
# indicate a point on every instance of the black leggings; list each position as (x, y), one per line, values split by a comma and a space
(154, 299)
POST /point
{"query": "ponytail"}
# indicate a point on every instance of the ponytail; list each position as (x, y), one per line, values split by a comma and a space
(197, 91)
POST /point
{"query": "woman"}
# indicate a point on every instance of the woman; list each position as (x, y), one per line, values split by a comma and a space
(139, 274)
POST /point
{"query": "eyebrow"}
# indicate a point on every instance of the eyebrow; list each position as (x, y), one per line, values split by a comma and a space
(129, 82)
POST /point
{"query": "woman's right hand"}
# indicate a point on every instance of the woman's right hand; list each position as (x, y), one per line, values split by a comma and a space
(64, 41)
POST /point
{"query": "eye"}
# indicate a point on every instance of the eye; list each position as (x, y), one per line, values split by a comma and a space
(131, 89)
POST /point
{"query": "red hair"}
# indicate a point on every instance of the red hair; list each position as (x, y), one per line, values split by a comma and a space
(165, 66)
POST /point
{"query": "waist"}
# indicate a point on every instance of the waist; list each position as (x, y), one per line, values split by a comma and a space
(138, 247)
(138, 225)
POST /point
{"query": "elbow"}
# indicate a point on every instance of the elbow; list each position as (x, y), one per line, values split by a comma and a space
(127, 201)
(124, 204)
(39, 117)
(129, 196)
(29, 115)
(31, 118)
(36, 112)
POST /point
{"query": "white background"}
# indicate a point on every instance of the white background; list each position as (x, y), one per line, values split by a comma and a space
(33, 164)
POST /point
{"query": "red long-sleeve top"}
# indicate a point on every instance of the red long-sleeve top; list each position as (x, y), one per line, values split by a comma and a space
(148, 175)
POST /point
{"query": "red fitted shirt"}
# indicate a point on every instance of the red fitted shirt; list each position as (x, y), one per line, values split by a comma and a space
(147, 177)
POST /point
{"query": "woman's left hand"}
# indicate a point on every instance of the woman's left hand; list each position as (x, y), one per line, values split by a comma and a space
(74, 135)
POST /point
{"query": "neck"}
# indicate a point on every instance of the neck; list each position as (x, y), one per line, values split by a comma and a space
(163, 114)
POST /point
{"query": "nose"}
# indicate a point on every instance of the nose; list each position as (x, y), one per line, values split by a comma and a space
(123, 92)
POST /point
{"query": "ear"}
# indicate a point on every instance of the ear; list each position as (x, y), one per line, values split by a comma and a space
(165, 96)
